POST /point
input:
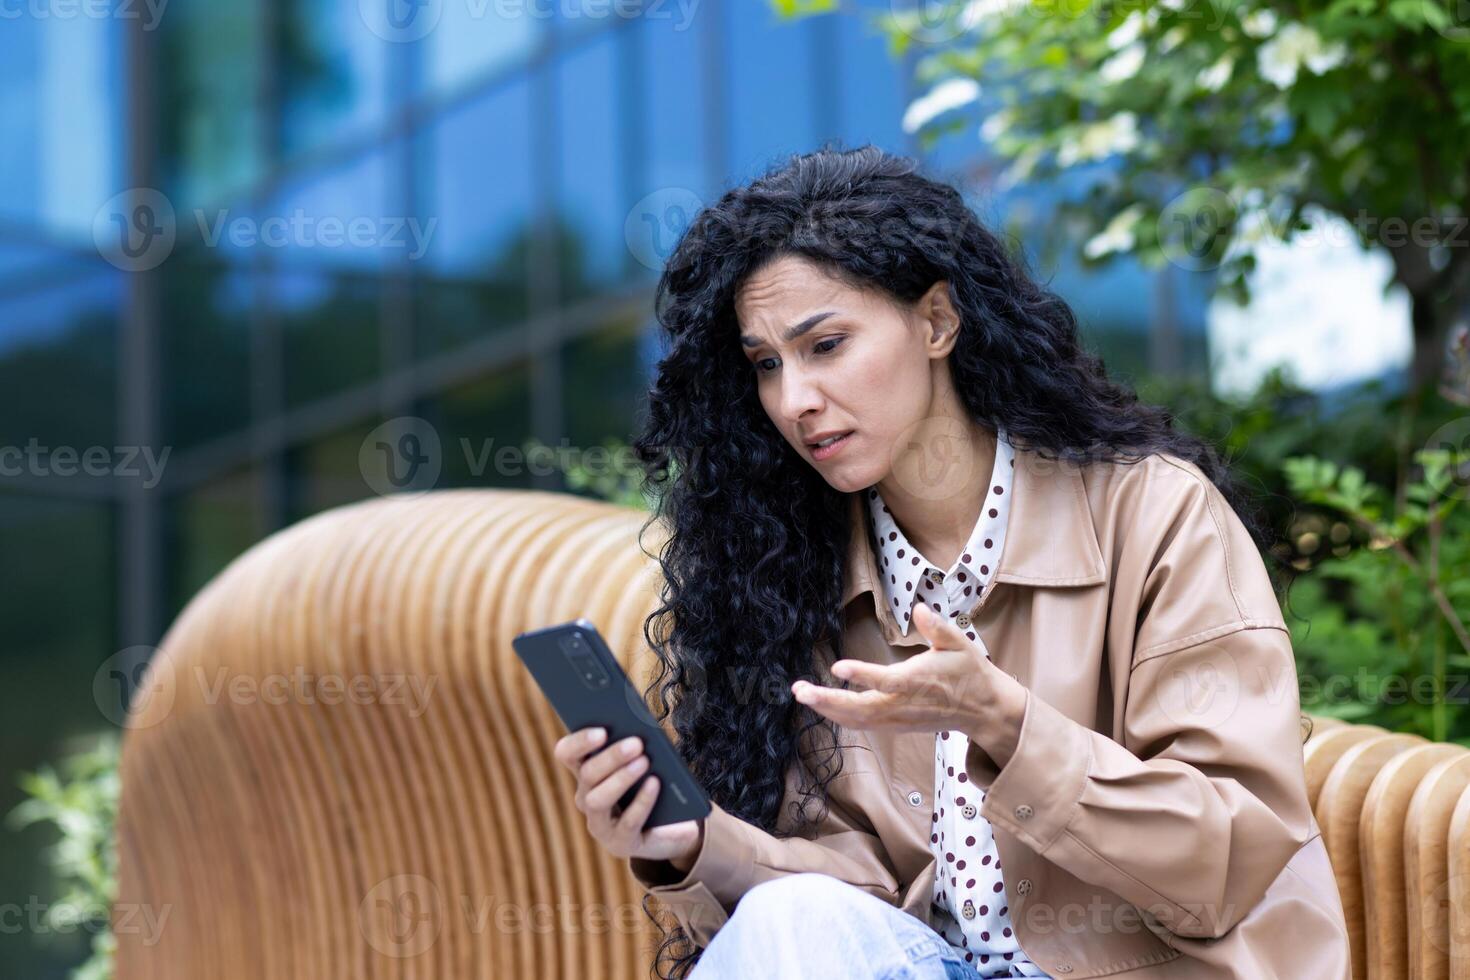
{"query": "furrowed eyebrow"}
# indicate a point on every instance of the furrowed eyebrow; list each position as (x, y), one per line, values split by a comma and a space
(792, 332)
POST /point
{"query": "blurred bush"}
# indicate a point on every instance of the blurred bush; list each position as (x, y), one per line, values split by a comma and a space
(79, 799)
(1366, 497)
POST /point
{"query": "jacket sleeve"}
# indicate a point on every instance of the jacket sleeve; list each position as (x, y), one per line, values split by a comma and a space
(735, 856)
(1197, 810)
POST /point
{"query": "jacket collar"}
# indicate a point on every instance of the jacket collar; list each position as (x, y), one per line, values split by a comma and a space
(1050, 539)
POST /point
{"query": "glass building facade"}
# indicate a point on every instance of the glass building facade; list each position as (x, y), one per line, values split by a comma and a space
(357, 212)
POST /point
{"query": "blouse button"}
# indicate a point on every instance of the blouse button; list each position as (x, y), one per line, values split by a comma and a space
(969, 811)
(968, 909)
(916, 798)
(1023, 812)
(962, 621)
(1023, 887)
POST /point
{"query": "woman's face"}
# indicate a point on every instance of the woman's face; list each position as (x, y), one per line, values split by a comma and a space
(829, 358)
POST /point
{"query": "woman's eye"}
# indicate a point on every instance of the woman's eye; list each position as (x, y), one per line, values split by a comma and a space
(822, 347)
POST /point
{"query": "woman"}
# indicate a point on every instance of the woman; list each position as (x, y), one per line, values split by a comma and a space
(976, 656)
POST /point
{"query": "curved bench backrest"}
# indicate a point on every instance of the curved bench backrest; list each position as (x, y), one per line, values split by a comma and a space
(344, 770)
(338, 766)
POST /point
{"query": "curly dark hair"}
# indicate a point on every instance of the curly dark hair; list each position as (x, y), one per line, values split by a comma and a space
(754, 560)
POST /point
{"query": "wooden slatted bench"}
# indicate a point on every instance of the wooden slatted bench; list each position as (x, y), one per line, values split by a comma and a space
(340, 769)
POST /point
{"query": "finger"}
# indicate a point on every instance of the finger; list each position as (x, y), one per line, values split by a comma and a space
(600, 798)
(609, 760)
(573, 747)
(940, 633)
(839, 704)
(629, 823)
(869, 675)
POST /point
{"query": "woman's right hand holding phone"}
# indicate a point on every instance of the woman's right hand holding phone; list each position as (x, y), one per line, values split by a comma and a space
(603, 776)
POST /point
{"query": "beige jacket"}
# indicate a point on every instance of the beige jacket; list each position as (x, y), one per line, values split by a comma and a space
(1153, 821)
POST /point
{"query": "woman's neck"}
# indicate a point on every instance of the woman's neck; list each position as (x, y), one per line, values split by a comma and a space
(935, 491)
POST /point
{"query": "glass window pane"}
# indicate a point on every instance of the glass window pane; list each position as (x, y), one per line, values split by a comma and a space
(605, 377)
(590, 184)
(332, 73)
(675, 182)
(58, 360)
(327, 472)
(61, 103)
(672, 99)
(450, 313)
(476, 167)
(873, 82)
(340, 217)
(204, 350)
(208, 527)
(473, 40)
(25, 265)
(483, 426)
(209, 78)
(329, 332)
(576, 19)
(475, 275)
(772, 112)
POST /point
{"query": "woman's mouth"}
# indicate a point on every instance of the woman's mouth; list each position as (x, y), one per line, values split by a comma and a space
(830, 447)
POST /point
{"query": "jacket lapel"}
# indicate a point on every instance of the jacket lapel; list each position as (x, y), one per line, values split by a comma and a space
(1050, 542)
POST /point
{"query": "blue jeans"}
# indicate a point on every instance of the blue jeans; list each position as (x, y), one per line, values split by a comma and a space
(810, 926)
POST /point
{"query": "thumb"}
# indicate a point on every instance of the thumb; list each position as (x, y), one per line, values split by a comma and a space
(943, 634)
(940, 633)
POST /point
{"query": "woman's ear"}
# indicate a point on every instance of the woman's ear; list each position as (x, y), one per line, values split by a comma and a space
(941, 317)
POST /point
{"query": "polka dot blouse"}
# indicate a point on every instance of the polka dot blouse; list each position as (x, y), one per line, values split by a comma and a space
(970, 909)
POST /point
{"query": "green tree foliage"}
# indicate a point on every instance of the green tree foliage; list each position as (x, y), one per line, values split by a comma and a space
(1197, 129)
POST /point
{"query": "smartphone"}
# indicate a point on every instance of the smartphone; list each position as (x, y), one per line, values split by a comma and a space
(584, 682)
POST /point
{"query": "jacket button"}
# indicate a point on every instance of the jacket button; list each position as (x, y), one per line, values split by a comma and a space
(916, 798)
(1023, 887)
(962, 621)
(968, 909)
(969, 811)
(1023, 812)
(1064, 967)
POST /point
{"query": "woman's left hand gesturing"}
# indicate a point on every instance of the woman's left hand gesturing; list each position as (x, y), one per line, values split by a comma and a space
(952, 685)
